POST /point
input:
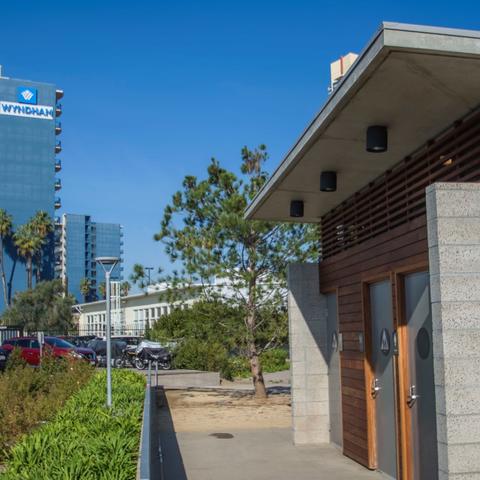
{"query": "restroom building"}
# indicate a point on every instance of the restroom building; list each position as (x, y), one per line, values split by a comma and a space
(385, 330)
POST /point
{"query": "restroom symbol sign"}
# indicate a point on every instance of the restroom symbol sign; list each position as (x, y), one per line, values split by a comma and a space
(334, 342)
(385, 342)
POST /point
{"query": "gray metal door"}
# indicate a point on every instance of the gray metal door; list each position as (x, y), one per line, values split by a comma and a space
(334, 380)
(421, 391)
(383, 383)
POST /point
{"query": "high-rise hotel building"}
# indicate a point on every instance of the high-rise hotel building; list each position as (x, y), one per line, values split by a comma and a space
(29, 146)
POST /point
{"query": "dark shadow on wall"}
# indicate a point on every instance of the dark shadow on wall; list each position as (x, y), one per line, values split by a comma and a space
(11, 252)
(173, 467)
(303, 283)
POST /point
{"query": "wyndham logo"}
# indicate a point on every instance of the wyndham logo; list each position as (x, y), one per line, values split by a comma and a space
(34, 111)
(27, 95)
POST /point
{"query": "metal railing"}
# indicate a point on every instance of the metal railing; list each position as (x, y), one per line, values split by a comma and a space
(150, 461)
(7, 332)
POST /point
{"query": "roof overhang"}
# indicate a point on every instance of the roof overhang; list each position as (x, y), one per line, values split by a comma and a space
(416, 80)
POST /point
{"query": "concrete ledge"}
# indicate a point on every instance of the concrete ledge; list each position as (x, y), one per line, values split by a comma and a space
(187, 378)
(149, 464)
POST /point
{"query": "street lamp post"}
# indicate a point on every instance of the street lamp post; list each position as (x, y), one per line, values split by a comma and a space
(149, 269)
(108, 264)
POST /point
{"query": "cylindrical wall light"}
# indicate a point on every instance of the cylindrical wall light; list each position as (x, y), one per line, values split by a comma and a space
(377, 139)
(296, 208)
(328, 181)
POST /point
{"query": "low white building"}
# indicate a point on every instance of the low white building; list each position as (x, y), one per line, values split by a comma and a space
(131, 315)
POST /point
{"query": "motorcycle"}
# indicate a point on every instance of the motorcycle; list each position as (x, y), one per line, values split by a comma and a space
(127, 358)
(152, 352)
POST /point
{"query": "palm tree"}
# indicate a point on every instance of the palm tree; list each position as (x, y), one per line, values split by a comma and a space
(125, 288)
(43, 226)
(5, 232)
(138, 275)
(28, 243)
(102, 289)
(85, 288)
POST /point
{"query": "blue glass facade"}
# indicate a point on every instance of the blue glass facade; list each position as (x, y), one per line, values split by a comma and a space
(82, 241)
(27, 165)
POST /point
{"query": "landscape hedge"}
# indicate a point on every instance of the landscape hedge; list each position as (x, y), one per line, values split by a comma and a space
(31, 396)
(85, 440)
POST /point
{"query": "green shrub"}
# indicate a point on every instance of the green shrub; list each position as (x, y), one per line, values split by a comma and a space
(211, 336)
(275, 360)
(30, 396)
(203, 355)
(84, 440)
(213, 356)
(15, 359)
(239, 366)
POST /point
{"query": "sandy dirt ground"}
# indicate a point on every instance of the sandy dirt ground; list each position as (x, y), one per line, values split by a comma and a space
(219, 410)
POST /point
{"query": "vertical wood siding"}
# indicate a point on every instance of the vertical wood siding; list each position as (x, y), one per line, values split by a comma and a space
(380, 229)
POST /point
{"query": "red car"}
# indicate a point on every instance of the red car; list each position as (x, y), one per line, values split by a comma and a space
(30, 349)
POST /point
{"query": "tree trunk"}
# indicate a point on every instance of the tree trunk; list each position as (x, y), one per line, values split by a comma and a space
(29, 272)
(2, 273)
(39, 267)
(257, 373)
(255, 363)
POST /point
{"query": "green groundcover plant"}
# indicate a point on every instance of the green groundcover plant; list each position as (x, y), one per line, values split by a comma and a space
(31, 396)
(85, 440)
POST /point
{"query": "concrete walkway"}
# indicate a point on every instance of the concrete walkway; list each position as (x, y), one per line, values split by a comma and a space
(260, 454)
(183, 378)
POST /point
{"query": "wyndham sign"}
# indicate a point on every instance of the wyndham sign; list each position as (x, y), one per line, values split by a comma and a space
(34, 111)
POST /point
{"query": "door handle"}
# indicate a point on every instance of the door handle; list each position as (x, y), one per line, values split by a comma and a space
(375, 387)
(412, 396)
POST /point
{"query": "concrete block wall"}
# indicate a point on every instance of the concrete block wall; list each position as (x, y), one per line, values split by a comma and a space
(307, 313)
(453, 215)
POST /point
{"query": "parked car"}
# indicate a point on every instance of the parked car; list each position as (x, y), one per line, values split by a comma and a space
(78, 340)
(30, 349)
(130, 340)
(99, 346)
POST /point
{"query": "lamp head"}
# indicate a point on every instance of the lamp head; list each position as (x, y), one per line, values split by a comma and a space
(107, 260)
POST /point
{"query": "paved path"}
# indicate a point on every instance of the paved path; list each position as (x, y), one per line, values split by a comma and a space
(260, 454)
(225, 435)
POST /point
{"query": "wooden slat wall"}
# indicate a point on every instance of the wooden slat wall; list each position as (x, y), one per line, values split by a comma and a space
(398, 195)
(402, 246)
(379, 229)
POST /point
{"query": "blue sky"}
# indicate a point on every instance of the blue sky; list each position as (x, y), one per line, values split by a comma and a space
(153, 90)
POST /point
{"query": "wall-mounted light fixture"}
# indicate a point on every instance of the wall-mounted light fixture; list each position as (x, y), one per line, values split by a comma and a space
(377, 139)
(328, 181)
(446, 161)
(296, 208)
